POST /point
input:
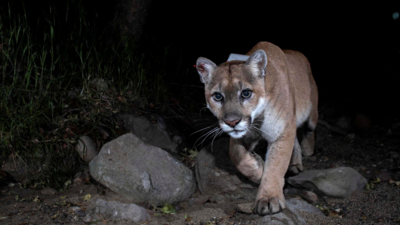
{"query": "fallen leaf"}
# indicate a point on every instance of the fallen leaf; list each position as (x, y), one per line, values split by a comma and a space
(36, 199)
(168, 209)
(87, 197)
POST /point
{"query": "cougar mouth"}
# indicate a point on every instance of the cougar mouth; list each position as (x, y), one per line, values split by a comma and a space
(235, 132)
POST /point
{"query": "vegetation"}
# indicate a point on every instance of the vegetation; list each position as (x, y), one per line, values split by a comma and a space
(61, 77)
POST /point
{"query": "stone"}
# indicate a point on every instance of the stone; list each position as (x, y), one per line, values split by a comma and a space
(312, 158)
(246, 208)
(384, 176)
(291, 215)
(291, 191)
(118, 211)
(142, 173)
(344, 123)
(152, 134)
(337, 182)
(48, 191)
(394, 155)
(216, 174)
(309, 196)
(86, 148)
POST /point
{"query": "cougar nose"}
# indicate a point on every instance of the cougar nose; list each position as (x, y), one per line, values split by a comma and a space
(232, 123)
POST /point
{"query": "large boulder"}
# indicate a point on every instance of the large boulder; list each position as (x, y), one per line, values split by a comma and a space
(141, 172)
(216, 174)
(337, 182)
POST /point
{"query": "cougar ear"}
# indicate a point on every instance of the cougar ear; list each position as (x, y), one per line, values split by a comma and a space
(258, 62)
(205, 67)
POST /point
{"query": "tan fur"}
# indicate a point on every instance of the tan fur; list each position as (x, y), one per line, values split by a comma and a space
(284, 97)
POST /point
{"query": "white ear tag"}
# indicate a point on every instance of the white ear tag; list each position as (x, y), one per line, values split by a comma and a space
(238, 57)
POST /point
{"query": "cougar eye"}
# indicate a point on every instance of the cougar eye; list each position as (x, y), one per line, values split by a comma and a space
(217, 96)
(246, 93)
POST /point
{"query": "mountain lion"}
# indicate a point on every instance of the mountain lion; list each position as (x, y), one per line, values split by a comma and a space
(268, 96)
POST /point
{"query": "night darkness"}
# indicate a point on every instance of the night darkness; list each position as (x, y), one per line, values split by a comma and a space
(354, 51)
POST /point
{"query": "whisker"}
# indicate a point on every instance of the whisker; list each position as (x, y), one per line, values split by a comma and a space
(206, 135)
(201, 130)
(210, 133)
(215, 135)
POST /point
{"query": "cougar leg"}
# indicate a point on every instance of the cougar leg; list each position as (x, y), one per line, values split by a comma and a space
(270, 198)
(248, 163)
(307, 144)
(296, 164)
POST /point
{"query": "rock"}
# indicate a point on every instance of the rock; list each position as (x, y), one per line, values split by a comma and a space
(292, 215)
(362, 122)
(99, 83)
(384, 176)
(87, 219)
(351, 136)
(141, 172)
(337, 182)
(118, 211)
(81, 177)
(152, 134)
(75, 209)
(298, 205)
(344, 123)
(20, 170)
(216, 174)
(394, 155)
(246, 208)
(48, 191)
(312, 158)
(86, 148)
(291, 191)
(199, 200)
(309, 196)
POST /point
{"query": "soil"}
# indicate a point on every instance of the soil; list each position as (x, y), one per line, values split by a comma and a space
(373, 151)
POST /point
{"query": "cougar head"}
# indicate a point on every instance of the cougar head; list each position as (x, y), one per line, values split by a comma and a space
(235, 91)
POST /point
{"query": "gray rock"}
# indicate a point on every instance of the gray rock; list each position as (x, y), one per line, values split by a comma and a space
(298, 206)
(153, 134)
(344, 123)
(48, 191)
(117, 211)
(86, 148)
(337, 182)
(216, 174)
(292, 215)
(309, 196)
(246, 208)
(141, 172)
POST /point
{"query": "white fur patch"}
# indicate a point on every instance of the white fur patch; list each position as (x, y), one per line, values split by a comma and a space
(260, 107)
(303, 115)
(238, 132)
(272, 127)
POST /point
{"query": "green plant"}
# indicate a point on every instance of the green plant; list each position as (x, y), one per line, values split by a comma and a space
(47, 99)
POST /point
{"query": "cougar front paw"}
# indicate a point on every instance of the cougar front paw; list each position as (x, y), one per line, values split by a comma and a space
(271, 205)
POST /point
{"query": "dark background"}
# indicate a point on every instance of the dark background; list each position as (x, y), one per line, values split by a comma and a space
(353, 49)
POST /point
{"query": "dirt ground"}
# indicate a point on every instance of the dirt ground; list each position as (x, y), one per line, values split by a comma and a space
(374, 152)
